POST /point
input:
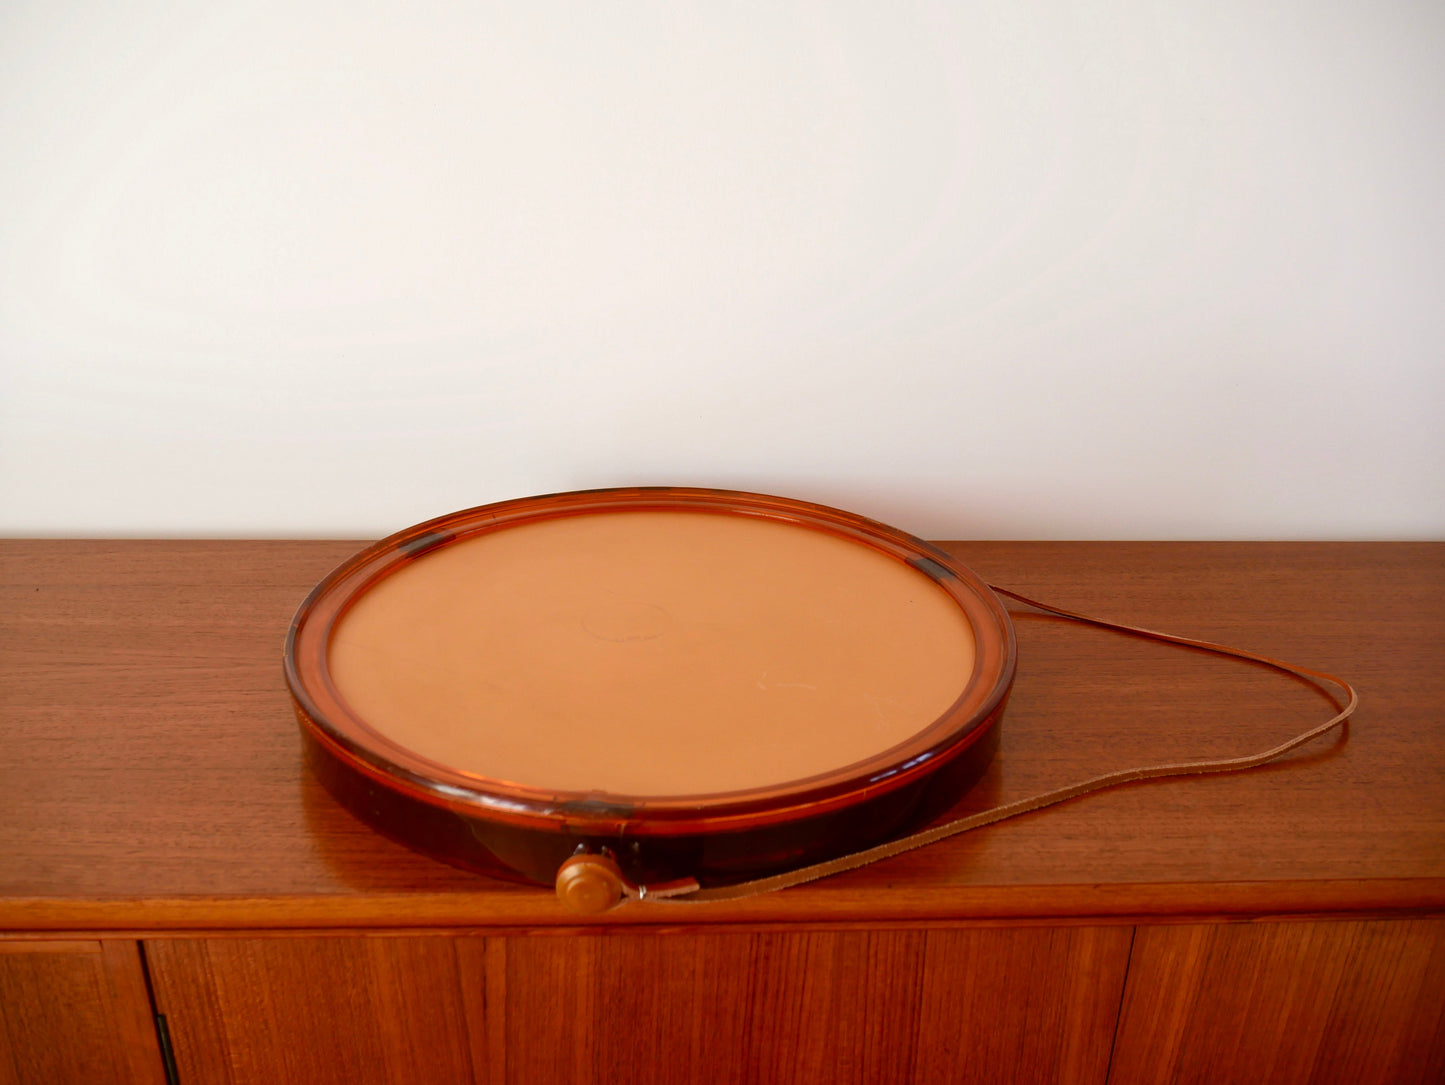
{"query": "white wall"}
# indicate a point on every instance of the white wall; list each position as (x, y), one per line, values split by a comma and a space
(1022, 268)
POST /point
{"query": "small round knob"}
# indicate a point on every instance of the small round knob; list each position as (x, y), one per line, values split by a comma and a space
(589, 884)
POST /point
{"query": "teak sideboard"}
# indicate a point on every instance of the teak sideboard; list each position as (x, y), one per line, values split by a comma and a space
(180, 899)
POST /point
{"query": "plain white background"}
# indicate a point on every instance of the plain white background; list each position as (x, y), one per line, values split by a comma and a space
(1027, 268)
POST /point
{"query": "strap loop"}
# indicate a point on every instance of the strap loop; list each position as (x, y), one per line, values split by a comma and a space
(687, 891)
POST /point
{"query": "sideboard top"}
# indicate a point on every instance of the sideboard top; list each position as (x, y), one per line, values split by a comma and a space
(151, 774)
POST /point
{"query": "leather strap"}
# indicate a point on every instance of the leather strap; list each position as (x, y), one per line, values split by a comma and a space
(687, 891)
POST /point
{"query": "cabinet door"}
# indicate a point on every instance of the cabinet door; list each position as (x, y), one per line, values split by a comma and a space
(354, 1010)
(1355, 1002)
(1021, 1004)
(76, 1012)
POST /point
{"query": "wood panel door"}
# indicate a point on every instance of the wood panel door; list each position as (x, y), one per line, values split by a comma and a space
(1353, 1002)
(357, 1010)
(1022, 1004)
(76, 1011)
(1025, 1004)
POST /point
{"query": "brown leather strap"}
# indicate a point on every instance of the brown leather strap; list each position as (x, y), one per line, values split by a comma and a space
(687, 891)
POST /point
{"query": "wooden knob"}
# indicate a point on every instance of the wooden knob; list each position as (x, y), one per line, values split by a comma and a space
(589, 884)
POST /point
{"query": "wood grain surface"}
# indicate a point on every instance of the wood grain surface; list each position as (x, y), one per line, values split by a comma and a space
(75, 1011)
(358, 1010)
(988, 1005)
(1354, 1003)
(151, 777)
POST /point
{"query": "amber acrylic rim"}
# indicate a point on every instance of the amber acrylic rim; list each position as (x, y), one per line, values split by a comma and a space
(323, 711)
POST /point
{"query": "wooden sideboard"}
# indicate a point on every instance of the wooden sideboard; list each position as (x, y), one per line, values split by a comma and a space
(165, 856)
